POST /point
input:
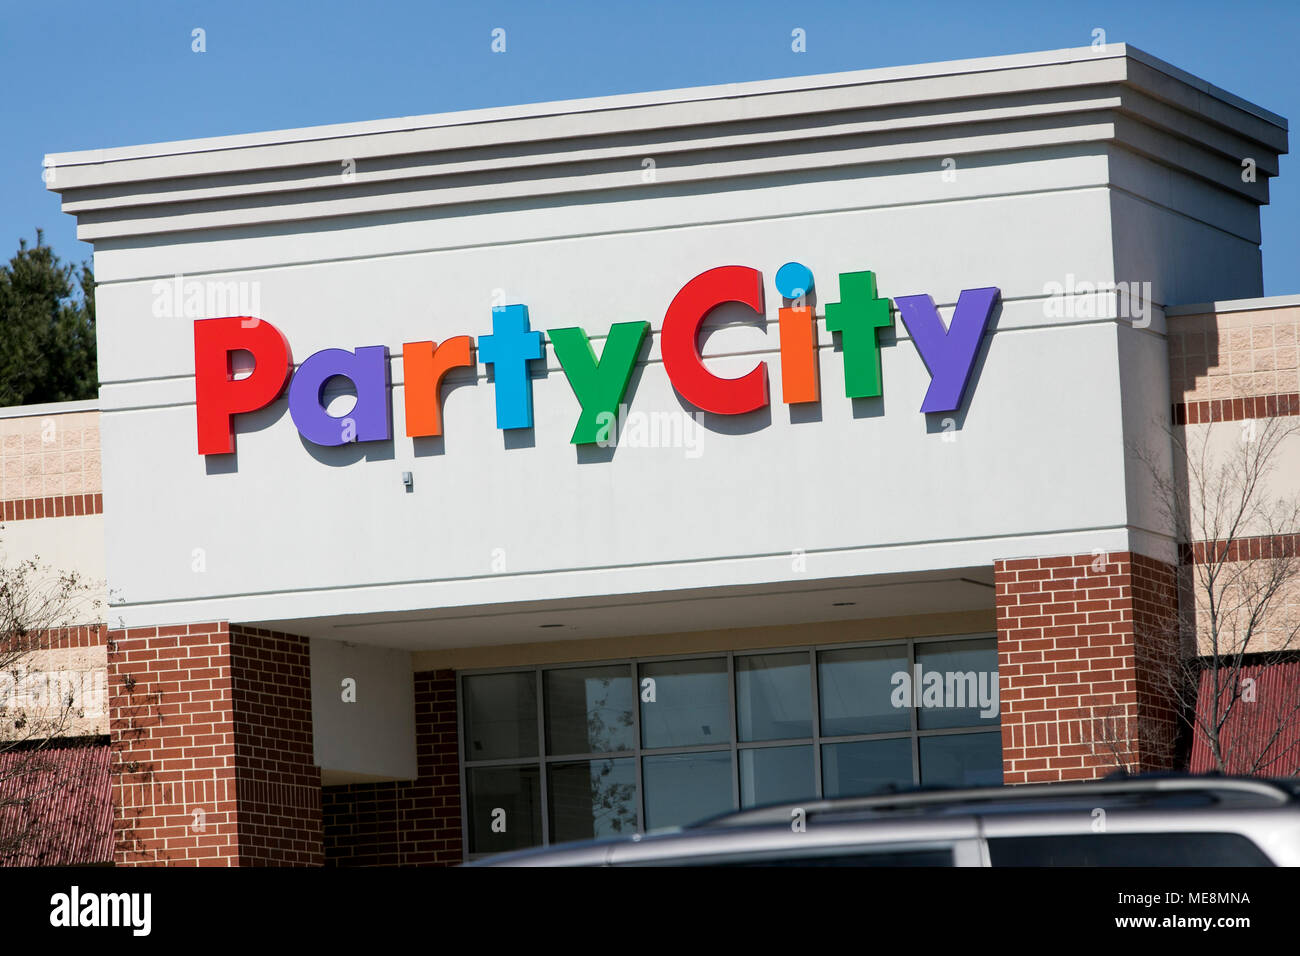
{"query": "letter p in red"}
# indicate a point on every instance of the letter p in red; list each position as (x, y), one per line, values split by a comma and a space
(218, 395)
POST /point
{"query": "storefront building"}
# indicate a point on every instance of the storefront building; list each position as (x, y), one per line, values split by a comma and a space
(488, 479)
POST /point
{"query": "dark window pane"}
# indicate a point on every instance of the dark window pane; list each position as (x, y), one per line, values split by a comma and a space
(1128, 849)
(685, 788)
(958, 684)
(690, 705)
(773, 697)
(856, 857)
(593, 798)
(500, 716)
(865, 766)
(962, 760)
(776, 775)
(855, 690)
(505, 808)
(589, 710)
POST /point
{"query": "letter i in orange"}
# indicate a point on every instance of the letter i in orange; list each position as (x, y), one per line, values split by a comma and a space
(798, 327)
(799, 378)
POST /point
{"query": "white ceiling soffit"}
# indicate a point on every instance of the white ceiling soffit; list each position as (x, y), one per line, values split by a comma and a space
(880, 596)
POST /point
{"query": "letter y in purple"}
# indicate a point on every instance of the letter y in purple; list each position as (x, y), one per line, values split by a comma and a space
(949, 353)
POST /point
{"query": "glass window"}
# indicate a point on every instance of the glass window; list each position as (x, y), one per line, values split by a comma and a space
(959, 684)
(681, 789)
(1128, 849)
(589, 710)
(685, 704)
(962, 760)
(501, 716)
(773, 696)
(841, 856)
(505, 808)
(661, 743)
(776, 775)
(592, 798)
(866, 766)
(856, 691)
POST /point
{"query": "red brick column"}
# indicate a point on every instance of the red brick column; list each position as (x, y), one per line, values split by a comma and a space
(210, 728)
(1084, 646)
(408, 823)
(277, 780)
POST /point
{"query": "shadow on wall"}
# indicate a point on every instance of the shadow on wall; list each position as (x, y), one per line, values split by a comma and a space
(246, 424)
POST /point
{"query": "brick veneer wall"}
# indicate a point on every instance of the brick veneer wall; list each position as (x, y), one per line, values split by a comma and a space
(56, 638)
(206, 719)
(277, 782)
(87, 635)
(407, 823)
(1084, 647)
(1156, 623)
(60, 506)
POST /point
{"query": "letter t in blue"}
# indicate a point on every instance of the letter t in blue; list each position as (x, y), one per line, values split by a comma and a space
(509, 349)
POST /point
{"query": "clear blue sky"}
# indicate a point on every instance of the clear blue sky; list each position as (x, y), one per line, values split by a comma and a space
(82, 74)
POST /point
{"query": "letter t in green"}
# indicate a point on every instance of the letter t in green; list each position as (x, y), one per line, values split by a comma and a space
(857, 317)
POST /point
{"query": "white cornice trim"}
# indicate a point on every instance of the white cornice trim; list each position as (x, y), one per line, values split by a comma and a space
(1234, 305)
(49, 408)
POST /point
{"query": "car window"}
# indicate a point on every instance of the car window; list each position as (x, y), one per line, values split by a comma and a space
(822, 856)
(1128, 849)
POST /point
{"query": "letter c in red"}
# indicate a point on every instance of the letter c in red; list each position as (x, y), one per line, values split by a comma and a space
(679, 342)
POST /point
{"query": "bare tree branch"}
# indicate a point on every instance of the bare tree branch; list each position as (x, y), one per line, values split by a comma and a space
(1239, 591)
(39, 608)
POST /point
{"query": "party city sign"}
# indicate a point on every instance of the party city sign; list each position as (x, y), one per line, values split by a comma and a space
(599, 382)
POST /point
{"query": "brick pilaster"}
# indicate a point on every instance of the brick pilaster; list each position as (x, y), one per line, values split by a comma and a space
(406, 823)
(212, 751)
(277, 781)
(1084, 643)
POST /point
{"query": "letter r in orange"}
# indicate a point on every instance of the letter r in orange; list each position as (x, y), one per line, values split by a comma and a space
(423, 366)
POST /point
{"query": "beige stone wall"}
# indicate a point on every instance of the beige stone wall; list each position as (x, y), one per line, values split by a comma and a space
(1234, 354)
(1275, 631)
(1241, 351)
(36, 683)
(1222, 443)
(44, 455)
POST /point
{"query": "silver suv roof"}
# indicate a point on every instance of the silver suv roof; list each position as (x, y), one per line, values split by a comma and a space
(962, 819)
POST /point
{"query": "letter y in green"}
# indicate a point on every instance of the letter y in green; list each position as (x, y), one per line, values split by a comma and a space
(599, 383)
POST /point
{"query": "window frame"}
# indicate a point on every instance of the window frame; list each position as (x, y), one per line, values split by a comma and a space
(543, 759)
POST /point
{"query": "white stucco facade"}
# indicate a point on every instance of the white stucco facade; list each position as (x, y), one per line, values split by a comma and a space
(1071, 166)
